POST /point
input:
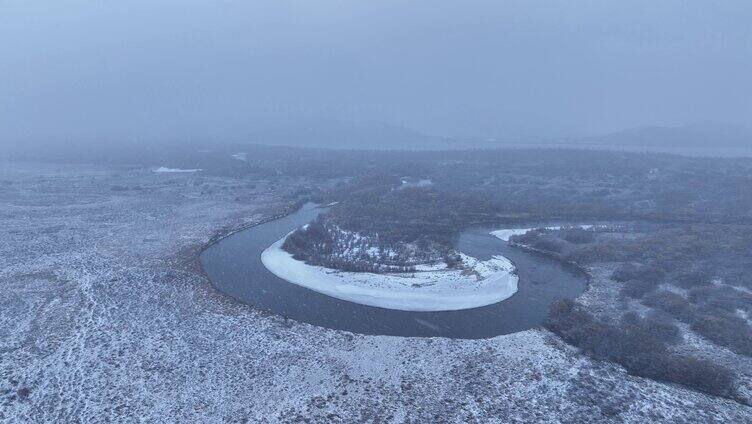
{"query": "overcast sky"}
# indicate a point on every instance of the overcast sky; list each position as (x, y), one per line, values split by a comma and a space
(145, 68)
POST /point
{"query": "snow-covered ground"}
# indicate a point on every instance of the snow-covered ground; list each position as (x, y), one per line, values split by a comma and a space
(411, 183)
(507, 233)
(105, 317)
(163, 169)
(436, 288)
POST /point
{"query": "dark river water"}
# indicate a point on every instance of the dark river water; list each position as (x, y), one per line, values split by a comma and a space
(234, 267)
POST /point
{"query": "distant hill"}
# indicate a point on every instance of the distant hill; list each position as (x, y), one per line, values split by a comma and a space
(695, 136)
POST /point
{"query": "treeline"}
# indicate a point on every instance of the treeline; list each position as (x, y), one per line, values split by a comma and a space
(709, 263)
(504, 187)
(567, 184)
(428, 217)
(695, 274)
(641, 345)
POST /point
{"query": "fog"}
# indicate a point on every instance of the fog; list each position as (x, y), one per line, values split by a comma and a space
(524, 70)
(403, 211)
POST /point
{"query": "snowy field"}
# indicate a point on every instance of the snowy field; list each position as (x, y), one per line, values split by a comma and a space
(106, 317)
(430, 288)
(507, 233)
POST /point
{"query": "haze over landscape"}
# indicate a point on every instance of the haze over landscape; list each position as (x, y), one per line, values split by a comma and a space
(288, 211)
(271, 72)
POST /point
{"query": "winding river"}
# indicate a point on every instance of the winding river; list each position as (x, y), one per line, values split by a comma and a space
(234, 267)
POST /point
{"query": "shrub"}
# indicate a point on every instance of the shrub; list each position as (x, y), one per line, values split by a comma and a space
(568, 320)
(726, 298)
(640, 345)
(658, 325)
(549, 244)
(593, 253)
(637, 289)
(528, 238)
(453, 260)
(725, 330)
(672, 303)
(692, 278)
(579, 236)
(700, 374)
(630, 271)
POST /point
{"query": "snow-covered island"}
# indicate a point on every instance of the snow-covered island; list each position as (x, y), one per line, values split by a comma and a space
(507, 233)
(166, 170)
(435, 287)
(412, 276)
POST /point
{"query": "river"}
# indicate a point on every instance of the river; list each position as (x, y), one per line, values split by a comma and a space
(234, 267)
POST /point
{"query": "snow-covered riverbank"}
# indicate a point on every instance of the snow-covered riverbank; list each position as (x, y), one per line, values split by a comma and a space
(436, 288)
(507, 233)
(430, 288)
(165, 170)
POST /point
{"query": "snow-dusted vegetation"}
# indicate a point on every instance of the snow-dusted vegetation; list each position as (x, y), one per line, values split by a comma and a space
(323, 242)
(105, 317)
(671, 301)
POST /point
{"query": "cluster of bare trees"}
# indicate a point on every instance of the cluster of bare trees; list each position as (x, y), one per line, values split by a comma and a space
(324, 243)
